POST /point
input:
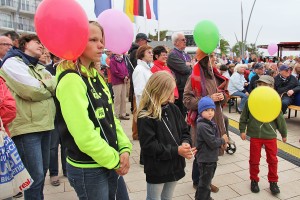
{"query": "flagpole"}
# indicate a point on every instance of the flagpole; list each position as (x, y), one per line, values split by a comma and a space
(158, 14)
(112, 4)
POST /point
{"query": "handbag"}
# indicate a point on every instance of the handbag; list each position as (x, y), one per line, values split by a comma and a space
(14, 177)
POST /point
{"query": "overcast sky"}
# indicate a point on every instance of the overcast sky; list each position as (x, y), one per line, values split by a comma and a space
(279, 19)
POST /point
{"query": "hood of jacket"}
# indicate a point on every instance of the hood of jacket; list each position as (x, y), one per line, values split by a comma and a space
(13, 52)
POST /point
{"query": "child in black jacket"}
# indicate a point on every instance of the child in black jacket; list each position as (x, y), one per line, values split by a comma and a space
(164, 137)
(208, 144)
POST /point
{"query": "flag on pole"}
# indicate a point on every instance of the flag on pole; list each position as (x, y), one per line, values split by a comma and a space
(134, 8)
(151, 9)
(101, 5)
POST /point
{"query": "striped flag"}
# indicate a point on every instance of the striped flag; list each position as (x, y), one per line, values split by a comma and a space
(101, 5)
(151, 9)
(134, 8)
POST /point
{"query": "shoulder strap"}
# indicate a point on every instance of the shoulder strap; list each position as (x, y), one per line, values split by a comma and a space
(65, 73)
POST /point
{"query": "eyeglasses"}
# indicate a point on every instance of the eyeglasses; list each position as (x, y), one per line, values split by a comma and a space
(6, 44)
(182, 40)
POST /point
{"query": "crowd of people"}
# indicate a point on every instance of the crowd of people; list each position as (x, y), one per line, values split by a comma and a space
(176, 101)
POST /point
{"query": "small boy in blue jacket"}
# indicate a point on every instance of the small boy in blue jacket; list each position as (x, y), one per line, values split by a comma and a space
(208, 144)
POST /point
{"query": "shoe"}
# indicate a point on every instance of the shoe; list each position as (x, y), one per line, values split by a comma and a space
(19, 195)
(214, 188)
(135, 137)
(274, 188)
(127, 114)
(254, 186)
(124, 118)
(239, 111)
(54, 181)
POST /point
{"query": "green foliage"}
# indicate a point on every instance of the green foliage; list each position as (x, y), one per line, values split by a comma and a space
(162, 36)
(224, 45)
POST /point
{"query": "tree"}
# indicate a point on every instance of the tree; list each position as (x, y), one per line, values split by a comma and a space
(237, 48)
(224, 45)
(162, 36)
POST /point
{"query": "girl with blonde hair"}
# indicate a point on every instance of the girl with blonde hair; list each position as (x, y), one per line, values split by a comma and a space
(164, 137)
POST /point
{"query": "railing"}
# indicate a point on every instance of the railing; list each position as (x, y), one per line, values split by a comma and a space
(23, 27)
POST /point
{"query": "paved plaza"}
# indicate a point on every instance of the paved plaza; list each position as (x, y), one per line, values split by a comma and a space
(232, 175)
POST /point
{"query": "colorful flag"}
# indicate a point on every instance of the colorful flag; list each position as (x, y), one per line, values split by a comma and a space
(151, 9)
(101, 5)
(128, 9)
(138, 8)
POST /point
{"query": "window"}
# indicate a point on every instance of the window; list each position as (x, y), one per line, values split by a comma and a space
(6, 20)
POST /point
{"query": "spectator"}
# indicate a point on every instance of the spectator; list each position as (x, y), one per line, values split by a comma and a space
(97, 147)
(14, 37)
(140, 76)
(259, 69)
(5, 45)
(262, 134)
(208, 145)
(286, 85)
(237, 84)
(51, 67)
(180, 63)
(224, 71)
(33, 88)
(160, 56)
(231, 69)
(119, 79)
(141, 39)
(205, 81)
(164, 137)
(296, 71)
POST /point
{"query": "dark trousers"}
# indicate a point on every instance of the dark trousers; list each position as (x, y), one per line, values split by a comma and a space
(207, 172)
(179, 103)
(286, 101)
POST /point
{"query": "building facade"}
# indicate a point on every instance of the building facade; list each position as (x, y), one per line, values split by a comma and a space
(17, 15)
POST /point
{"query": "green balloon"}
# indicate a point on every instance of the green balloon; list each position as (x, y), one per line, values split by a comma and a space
(206, 36)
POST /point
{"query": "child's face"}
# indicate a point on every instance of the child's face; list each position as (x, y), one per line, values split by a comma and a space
(208, 114)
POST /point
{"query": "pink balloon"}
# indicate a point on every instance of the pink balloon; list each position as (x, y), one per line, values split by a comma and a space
(118, 30)
(272, 49)
(62, 27)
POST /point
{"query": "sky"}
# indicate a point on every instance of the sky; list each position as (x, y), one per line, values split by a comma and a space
(279, 19)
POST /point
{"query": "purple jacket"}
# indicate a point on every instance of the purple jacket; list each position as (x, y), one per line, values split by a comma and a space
(118, 71)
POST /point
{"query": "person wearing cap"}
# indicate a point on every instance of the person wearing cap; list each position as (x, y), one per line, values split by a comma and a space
(259, 71)
(237, 84)
(262, 134)
(205, 81)
(286, 85)
(180, 63)
(141, 39)
(208, 144)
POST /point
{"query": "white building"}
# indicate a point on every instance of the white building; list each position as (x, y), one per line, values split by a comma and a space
(17, 15)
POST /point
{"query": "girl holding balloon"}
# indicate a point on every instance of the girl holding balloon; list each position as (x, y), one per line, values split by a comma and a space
(97, 147)
(261, 126)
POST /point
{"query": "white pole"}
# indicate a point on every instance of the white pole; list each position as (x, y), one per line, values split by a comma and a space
(158, 15)
(112, 4)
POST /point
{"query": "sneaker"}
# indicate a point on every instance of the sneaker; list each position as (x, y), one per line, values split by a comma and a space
(214, 188)
(19, 195)
(54, 181)
(254, 186)
(124, 118)
(274, 188)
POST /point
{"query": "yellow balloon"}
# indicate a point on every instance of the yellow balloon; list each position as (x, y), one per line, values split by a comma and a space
(264, 104)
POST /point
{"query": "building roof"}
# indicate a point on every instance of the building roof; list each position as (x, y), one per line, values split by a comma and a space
(285, 46)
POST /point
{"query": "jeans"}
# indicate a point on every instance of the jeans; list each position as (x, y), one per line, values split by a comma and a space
(244, 98)
(207, 172)
(34, 150)
(256, 145)
(286, 101)
(55, 141)
(97, 183)
(162, 191)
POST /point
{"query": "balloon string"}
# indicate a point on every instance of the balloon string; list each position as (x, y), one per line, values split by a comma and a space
(214, 78)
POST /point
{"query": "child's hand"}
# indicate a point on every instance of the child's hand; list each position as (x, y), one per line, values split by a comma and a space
(284, 139)
(243, 136)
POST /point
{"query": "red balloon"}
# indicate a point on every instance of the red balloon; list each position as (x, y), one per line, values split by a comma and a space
(62, 27)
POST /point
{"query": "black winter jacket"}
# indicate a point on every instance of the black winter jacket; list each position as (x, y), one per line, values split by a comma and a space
(284, 85)
(208, 141)
(161, 160)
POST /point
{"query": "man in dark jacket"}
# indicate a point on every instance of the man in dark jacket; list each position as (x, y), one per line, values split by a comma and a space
(180, 63)
(286, 85)
(259, 71)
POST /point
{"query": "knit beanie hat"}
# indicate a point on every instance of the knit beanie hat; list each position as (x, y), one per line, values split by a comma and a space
(205, 103)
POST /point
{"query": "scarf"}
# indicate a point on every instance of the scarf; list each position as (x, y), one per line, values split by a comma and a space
(199, 88)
